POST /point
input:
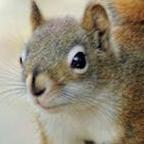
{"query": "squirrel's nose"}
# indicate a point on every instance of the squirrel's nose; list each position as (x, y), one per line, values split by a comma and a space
(37, 84)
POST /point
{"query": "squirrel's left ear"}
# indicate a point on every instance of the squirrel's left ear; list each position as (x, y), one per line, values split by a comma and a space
(36, 16)
(95, 17)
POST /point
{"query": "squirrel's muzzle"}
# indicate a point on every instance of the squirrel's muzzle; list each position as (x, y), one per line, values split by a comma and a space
(37, 84)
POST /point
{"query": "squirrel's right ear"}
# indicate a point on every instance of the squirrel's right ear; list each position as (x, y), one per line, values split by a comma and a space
(95, 17)
(36, 16)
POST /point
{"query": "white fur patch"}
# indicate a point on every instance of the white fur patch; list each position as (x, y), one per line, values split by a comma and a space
(101, 127)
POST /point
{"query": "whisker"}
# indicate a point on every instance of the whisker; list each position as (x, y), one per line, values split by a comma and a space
(10, 93)
(16, 95)
(13, 84)
(10, 99)
(78, 101)
(4, 64)
(7, 70)
(10, 79)
(3, 92)
(88, 101)
(9, 73)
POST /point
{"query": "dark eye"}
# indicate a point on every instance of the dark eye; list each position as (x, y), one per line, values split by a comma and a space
(20, 61)
(79, 61)
(23, 56)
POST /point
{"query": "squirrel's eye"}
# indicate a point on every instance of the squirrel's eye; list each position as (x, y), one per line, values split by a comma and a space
(21, 61)
(23, 56)
(77, 59)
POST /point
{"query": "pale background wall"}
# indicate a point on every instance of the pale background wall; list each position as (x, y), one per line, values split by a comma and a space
(17, 124)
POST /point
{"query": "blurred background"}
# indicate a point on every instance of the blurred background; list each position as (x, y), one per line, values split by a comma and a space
(17, 121)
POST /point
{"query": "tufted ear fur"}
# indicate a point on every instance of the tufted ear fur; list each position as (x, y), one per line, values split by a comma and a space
(36, 16)
(95, 17)
(95, 20)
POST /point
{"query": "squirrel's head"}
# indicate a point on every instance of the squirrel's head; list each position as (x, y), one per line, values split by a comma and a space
(65, 62)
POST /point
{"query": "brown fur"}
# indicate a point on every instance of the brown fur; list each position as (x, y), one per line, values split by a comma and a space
(128, 35)
(132, 116)
(130, 10)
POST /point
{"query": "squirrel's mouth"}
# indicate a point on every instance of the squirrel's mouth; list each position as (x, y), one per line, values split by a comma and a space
(52, 108)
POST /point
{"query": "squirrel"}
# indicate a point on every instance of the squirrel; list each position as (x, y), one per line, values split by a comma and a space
(87, 78)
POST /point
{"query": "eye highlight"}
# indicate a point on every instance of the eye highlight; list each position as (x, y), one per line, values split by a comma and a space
(77, 59)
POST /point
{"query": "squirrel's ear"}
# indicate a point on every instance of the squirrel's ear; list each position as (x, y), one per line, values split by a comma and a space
(95, 17)
(96, 22)
(36, 16)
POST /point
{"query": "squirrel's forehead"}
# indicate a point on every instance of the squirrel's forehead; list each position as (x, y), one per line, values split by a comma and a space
(55, 38)
(59, 29)
(60, 38)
